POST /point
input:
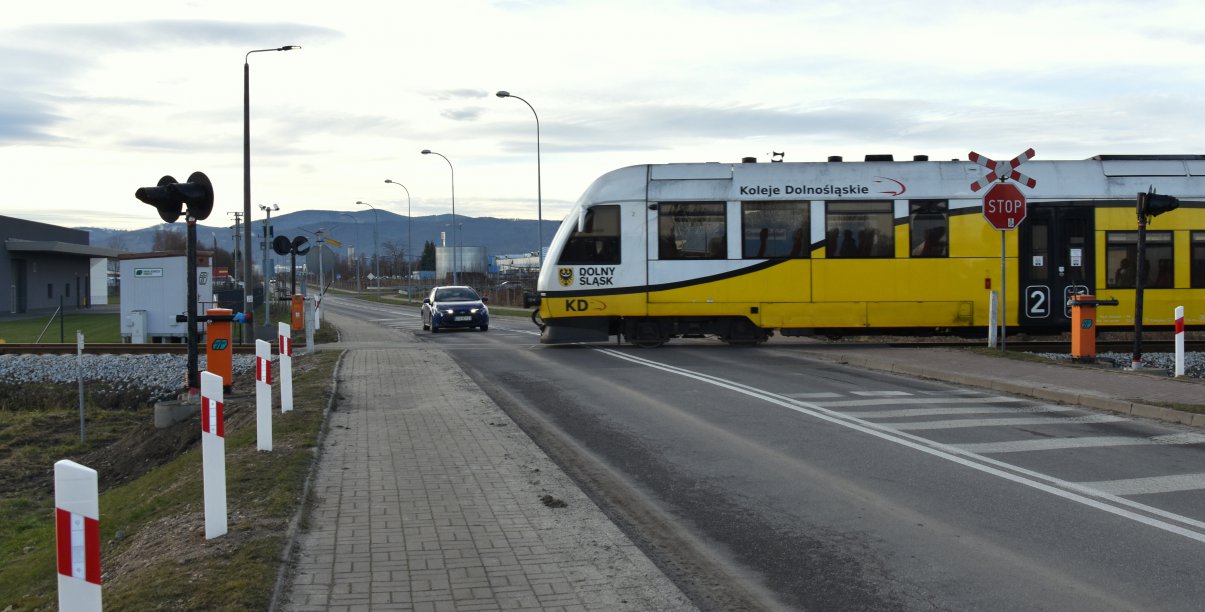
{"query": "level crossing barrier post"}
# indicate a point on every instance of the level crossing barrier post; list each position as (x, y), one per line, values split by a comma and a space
(263, 395)
(1179, 341)
(77, 536)
(213, 454)
(284, 347)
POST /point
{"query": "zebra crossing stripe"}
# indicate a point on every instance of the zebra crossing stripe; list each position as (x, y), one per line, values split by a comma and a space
(1149, 485)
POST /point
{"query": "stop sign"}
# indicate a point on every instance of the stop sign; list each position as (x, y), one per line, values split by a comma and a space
(1004, 206)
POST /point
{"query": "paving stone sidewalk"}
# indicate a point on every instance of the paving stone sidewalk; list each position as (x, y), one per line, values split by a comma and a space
(428, 497)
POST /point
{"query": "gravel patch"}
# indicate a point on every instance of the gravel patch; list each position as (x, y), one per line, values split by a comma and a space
(1194, 363)
(161, 376)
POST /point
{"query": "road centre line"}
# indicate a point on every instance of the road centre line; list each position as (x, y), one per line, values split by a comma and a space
(1141, 513)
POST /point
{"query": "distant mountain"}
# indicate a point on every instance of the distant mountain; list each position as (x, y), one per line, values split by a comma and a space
(498, 236)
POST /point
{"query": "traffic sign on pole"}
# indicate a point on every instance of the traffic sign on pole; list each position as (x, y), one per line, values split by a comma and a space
(1004, 206)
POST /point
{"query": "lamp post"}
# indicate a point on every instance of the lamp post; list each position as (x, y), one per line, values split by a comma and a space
(376, 253)
(267, 275)
(455, 245)
(409, 249)
(539, 182)
(248, 329)
(349, 216)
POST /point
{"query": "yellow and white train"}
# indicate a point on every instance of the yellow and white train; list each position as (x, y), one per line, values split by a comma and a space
(737, 251)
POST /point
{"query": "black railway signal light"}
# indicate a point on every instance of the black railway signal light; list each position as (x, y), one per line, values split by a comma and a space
(1151, 204)
(282, 245)
(170, 197)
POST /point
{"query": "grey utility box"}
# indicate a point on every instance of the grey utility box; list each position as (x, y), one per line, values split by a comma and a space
(156, 284)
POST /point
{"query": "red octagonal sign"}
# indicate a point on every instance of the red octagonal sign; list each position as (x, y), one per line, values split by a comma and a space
(1004, 206)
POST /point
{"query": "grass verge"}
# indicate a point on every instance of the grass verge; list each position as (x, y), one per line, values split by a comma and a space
(100, 327)
(154, 552)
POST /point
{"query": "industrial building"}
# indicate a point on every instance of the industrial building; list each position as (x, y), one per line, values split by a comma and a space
(43, 266)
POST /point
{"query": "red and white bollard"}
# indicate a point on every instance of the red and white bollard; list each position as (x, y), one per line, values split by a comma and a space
(263, 395)
(285, 348)
(77, 527)
(213, 454)
(1179, 341)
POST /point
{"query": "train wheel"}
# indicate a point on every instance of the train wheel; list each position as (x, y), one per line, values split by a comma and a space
(646, 333)
(742, 332)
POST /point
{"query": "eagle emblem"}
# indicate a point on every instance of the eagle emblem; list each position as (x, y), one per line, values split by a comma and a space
(566, 275)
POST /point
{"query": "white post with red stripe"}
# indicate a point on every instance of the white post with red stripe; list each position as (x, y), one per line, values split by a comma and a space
(284, 346)
(1179, 341)
(213, 454)
(77, 528)
(263, 395)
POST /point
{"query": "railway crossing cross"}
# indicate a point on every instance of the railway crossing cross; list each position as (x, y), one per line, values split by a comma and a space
(1004, 208)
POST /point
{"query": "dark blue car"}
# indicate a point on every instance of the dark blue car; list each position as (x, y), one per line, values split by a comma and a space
(448, 307)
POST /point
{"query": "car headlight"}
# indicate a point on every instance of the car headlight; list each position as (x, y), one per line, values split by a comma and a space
(447, 311)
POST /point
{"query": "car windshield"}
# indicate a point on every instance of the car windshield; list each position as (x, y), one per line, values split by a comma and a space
(456, 294)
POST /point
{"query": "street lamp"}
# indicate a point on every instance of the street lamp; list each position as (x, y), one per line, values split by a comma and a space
(455, 246)
(349, 216)
(539, 187)
(248, 329)
(376, 253)
(409, 249)
(267, 276)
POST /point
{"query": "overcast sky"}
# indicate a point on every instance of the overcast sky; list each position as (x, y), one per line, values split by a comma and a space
(98, 99)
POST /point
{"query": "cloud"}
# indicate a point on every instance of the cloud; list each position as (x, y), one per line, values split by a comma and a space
(128, 36)
(455, 94)
(468, 113)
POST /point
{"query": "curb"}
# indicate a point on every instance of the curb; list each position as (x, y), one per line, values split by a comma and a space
(283, 572)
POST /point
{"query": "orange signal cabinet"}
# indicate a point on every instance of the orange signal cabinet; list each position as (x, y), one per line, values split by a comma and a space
(219, 350)
(297, 322)
(1083, 327)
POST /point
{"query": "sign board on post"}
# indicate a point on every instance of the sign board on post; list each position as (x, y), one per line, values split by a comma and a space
(1004, 206)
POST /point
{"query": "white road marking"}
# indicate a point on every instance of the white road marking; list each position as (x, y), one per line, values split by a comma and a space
(919, 412)
(820, 395)
(1005, 422)
(1019, 446)
(920, 400)
(1151, 516)
(881, 393)
(1152, 484)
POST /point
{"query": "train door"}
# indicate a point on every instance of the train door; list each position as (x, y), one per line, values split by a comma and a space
(1055, 262)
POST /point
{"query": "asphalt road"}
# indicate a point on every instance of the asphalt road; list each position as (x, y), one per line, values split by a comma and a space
(759, 477)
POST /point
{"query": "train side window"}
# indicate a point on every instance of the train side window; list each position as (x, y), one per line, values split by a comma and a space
(1121, 259)
(692, 230)
(859, 229)
(929, 228)
(598, 242)
(775, 230)
(1198, 259)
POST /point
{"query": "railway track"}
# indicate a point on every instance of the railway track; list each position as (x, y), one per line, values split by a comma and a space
(47, 348)
(1027, 346)
(1022, 346)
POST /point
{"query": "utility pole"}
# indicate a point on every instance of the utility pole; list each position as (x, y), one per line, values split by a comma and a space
(237, 235)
